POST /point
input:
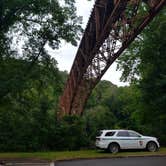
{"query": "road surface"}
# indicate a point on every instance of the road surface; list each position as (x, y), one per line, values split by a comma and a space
(130, 161)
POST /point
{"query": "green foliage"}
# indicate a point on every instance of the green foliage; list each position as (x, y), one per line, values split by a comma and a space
(144, 65)
(98, 118)
(28, 108)
(110, 107)
(35, 24)
(31, 84)
(73, 135)
(81, 154)
(28, 104)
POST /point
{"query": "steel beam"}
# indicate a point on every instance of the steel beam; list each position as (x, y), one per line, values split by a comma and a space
(112, 26)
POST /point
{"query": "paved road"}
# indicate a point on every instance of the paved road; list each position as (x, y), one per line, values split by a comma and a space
(133, 161)
(25, 162)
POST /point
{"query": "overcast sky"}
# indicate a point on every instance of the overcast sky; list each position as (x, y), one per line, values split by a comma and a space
(65, 55)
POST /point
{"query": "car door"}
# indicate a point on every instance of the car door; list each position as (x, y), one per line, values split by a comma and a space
(129, 140)
(123, 139)
(136, 141)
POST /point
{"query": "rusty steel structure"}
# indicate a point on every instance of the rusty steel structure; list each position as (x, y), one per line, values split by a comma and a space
(112, 26)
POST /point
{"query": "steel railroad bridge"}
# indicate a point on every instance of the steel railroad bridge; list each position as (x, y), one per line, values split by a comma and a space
(112, 26)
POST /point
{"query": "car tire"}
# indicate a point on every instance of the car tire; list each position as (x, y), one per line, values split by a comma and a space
(113, 148)
(152, 147)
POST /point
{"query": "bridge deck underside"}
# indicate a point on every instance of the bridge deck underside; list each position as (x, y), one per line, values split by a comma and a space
(112, 26)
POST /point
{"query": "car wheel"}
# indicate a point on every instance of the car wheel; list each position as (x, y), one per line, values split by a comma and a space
(152, 147)
(113, 148)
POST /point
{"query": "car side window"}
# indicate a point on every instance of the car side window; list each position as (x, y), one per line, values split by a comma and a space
(133, 134)
(108, 134)
(122, 134)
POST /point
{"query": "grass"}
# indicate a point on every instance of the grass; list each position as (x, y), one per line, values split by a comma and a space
(83, 154)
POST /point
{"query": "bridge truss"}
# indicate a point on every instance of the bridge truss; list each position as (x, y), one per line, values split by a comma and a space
(112, 26)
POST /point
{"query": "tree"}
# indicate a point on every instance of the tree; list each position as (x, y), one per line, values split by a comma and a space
(28, 28)
(28, 105)
(38, 23)
(144, 63)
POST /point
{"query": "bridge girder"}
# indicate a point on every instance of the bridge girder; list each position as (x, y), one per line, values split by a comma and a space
(112, 26)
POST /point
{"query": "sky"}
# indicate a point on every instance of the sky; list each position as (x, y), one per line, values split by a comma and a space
(66, 54)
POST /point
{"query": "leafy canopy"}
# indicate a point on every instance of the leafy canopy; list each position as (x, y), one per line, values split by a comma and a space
(33, 24)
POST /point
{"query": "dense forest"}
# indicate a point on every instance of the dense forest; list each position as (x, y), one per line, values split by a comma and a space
(31, 83)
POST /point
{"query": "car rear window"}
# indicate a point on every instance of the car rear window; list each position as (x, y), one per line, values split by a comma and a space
(108, 134)
(99, 133)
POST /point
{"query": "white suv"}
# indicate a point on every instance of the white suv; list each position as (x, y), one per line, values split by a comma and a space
(114, 140)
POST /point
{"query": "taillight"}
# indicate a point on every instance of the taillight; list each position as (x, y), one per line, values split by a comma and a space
(97, 139)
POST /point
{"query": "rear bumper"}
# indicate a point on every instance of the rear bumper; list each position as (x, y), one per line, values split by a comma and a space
(100, 145)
